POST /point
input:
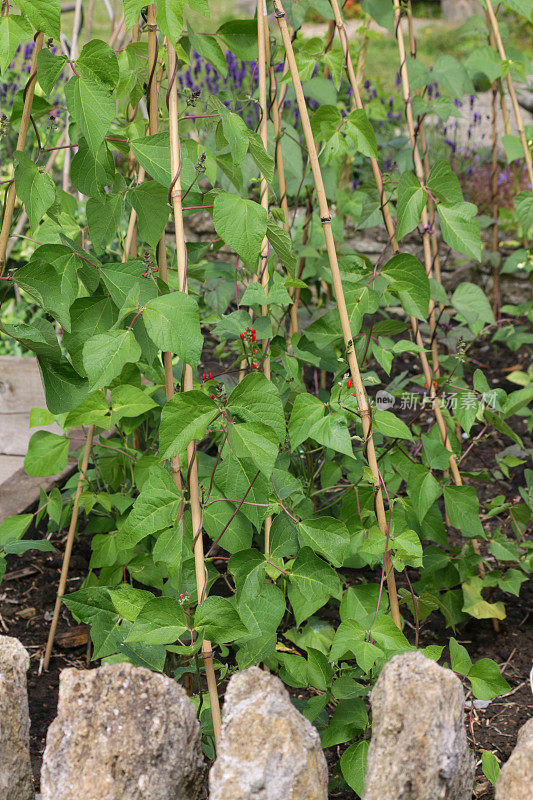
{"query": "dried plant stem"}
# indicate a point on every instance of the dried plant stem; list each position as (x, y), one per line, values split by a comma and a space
(194, 494)
(89, 23)
(361, 61)
(325, 217)
(493, 22)
(68, 547)
(262, 38)
(9, 204)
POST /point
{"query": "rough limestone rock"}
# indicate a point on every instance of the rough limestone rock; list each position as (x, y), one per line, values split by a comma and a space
(516, 777)
(267, 749)
(16, 782)
(419, 749)
(122, 733)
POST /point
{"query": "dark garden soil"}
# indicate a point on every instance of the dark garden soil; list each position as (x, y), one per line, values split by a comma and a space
(27, 596)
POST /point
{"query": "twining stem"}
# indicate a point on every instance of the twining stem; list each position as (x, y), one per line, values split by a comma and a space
(274, 108)
(130, 243)
(362, 400)
(391, 231)
(301, 265)
(68, 547)
(9, 204)
(194, 493)
(493, 22)
(419, 172)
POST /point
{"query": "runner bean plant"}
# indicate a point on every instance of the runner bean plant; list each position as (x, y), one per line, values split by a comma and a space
(278, 425)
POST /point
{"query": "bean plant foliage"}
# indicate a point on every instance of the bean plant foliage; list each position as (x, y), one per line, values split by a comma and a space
(286, 452)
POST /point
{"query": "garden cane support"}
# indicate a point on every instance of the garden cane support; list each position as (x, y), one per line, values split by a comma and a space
(496, 300)
(362, 400)
(68, 547)
(262, 36)
(181, 255)
(391, 230)
(491, 17)
(425, 159)
(153, 127)
(9, 204)
(419, 172)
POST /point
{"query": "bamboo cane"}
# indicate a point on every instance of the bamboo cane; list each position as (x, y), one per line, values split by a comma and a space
(419, 172)
(153, 127)
(196, 510)
(495, 205)
(491, 17)
(295, 294)
(362, 400)
(68, 547)
(390, 227)
(21, 142)
(425, 162)
(262, 37)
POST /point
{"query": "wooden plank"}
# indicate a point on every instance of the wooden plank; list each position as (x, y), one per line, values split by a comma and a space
(20, 390)
(9, 465)
(21, 491)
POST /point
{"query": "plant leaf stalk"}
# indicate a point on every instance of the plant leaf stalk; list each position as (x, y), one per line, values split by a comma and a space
(194, 492)
(362, 400)
(9, 204)
(68, 547)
